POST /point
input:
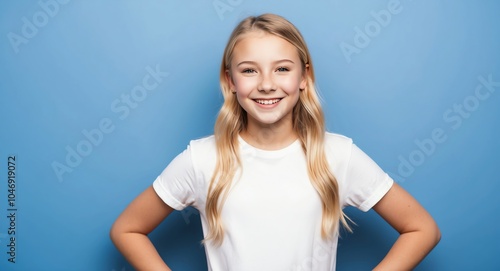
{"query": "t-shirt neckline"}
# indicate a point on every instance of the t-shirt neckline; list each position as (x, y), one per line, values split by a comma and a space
(247, 148)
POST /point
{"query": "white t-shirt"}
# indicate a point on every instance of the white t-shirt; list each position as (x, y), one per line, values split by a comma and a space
(272, 216)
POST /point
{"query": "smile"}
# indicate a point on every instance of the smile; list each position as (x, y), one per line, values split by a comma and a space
(267, 102)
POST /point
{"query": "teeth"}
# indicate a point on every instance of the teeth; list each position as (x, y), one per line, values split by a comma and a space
(268, 101)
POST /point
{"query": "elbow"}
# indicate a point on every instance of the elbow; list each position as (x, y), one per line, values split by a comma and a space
(114, 233)
(429, 233)
(437, 234)
(433, 233)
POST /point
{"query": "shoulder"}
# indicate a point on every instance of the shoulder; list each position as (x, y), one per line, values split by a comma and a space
(338, 151)
(203, 151)
(204, 140)
(337, 138)
(204, 144)
(338, 143)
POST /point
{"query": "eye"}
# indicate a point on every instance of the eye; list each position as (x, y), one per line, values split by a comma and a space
(282, 69)
(248, 70)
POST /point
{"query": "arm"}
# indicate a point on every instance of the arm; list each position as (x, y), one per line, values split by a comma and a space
(418, 230)
(130, 230)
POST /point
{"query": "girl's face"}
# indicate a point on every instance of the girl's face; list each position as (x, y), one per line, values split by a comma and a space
(266, 74)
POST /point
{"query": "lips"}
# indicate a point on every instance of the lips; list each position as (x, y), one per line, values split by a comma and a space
(267, 101)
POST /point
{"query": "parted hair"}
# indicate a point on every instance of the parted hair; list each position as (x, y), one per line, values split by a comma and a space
(308, 123)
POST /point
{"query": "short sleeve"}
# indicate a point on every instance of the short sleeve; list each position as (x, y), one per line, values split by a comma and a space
(175, 185)
(366, 183)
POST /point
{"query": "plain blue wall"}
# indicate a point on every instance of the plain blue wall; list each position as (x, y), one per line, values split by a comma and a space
(389, 84)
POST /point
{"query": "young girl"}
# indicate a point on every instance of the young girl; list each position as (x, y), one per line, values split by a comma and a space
(270, 184)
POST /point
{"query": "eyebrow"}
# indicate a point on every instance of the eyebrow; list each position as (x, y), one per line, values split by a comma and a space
(255, 63)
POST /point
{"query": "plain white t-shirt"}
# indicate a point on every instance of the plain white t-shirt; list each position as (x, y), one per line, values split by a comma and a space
(272, 216)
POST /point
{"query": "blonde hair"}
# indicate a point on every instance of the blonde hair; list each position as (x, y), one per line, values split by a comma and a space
(308, 122)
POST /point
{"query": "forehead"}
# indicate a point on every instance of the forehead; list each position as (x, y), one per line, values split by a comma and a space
(259, 45)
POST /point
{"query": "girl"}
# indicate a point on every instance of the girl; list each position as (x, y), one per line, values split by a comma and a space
(270, 184)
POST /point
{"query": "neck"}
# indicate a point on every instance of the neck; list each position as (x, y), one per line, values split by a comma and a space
(269, 137)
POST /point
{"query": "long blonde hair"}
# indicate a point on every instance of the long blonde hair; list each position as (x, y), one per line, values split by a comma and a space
(308, 122)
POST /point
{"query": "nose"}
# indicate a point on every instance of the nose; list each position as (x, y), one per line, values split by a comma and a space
(266, 83)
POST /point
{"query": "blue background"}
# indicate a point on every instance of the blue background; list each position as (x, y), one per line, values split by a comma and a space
(405, 80)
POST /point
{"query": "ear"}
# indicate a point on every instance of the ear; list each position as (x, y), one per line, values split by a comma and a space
(230, 82)
(305, 77)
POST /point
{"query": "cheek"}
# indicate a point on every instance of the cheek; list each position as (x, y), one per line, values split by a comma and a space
(244, 84)
(290, 85)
